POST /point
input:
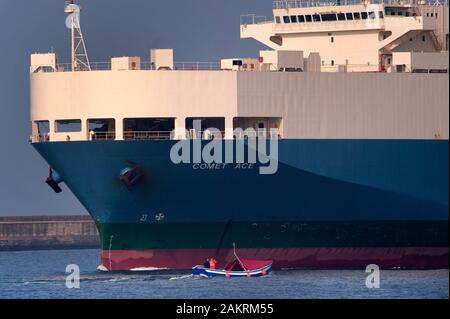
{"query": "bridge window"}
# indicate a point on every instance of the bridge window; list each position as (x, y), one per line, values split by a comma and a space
(102, 129)
(357, 15)
(341, 16)
(294, 19)
(194, 124)
(41, 131)
(316, 17)
(286, 19)
(364, 15)
(329, 17)
(308, 18)
(256, 126)
(68, 126)
(301, 19)
(349, 16)
(148, 128)
(43, 127)
(277, 20)
(372, 15)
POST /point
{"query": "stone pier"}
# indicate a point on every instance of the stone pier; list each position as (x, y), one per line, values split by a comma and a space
(47, 232)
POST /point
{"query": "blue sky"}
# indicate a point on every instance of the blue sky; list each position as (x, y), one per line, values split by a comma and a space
(198, 30)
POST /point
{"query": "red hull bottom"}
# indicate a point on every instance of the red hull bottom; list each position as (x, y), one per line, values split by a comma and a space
(284, 258)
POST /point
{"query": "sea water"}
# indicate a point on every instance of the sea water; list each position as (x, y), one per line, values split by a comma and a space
(42, 274)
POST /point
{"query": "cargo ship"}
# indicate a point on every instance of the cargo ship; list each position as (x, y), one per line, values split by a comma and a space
(327, 150)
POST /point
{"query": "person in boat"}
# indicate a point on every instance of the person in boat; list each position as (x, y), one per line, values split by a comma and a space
(212, 263)
(206, 264)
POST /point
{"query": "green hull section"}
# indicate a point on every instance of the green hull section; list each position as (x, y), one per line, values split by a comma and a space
(273, 235)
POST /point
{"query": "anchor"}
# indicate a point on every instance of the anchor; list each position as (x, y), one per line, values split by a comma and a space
(131, 175)
(53, 180)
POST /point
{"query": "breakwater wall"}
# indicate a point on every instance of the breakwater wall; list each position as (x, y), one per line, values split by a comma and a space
(47, 232)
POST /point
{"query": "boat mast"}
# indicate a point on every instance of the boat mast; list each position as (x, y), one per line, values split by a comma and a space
(80, 59)
(236, 256)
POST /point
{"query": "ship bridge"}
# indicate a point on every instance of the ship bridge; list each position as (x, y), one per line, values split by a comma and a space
(362, 35)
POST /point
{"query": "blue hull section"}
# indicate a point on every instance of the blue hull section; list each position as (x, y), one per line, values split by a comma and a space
(317, 180)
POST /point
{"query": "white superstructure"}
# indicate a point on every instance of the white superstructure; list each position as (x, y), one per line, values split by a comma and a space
(386, 82)
(361, 35)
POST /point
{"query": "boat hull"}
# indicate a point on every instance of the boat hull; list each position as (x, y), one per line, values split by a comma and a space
(207, 272)
(331, 204)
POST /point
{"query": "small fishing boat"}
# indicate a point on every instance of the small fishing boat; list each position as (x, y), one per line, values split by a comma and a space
(237, 268)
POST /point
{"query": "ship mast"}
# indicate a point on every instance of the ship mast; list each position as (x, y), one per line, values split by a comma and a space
(80, 59)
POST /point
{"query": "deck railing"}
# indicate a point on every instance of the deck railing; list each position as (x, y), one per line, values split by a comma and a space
(249, 19)
(197, 66)
(159, 136)
(102, 136)
(205, 135)
(147, 135)
(40, 138)
(144, 66)
(257, 134)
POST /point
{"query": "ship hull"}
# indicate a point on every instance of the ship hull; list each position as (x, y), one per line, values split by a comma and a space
(404, 244)
(284, 258)
(331, 204)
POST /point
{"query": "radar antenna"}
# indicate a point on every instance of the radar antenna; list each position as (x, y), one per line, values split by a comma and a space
(80, 59)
